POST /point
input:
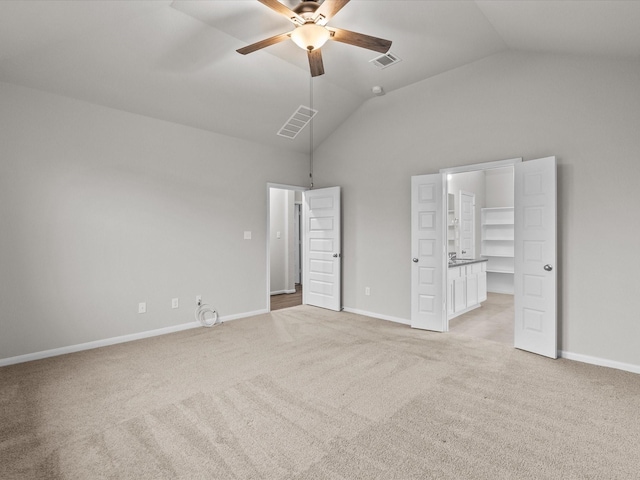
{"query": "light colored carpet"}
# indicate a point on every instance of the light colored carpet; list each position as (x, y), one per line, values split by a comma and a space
(494, 320)
(305, 393)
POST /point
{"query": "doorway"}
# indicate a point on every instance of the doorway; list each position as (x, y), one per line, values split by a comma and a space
(480, 207)
(534, 220)
(320, 234)
(284, 246)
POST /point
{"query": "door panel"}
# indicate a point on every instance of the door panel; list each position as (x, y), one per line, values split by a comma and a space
(428, 256)
(467, 225)
(322, 248)
(535, 279)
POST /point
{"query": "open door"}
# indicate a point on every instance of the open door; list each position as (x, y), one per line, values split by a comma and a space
(467, 225)
(428, 272)
(322, 249)
(535, 279)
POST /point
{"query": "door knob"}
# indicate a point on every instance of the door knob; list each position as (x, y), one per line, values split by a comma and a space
(415, 260)
(548, 267)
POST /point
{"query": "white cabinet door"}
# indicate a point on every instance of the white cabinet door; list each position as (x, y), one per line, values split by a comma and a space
(535, 257)
(472, 287)
(459, 293)
(428, 271)
(322, 248)
(482, 285)
(450, 296)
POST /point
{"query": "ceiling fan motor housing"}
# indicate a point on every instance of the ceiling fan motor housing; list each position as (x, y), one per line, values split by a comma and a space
(306, 9)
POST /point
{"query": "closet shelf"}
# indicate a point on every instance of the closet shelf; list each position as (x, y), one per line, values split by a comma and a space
(498, 243)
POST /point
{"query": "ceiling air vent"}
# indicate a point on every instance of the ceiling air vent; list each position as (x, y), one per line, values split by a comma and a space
(300, 118)
(386, 60)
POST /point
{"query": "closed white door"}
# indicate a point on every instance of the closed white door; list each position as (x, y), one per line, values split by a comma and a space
(467, 225)
(428, 260)
(535, 257)
(322, 248)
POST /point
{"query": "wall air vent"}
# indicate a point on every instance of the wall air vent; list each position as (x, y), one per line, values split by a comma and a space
(386, 60)
(296, 123)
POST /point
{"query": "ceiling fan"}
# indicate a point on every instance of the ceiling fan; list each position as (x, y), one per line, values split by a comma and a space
(310, 18)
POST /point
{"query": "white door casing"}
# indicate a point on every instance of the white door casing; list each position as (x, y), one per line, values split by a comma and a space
(428, 270)
(322, 248)
(297, 217)
(467, 225)
(535, 279)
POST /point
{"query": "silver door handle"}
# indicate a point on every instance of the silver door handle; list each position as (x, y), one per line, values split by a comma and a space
(548, 267)
(464, 251)
(336, 255)
(415, 260)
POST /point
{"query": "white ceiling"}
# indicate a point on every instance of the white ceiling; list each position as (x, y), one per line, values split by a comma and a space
(176, 60)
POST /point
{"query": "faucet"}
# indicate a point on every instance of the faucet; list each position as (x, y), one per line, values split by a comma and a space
(452, 256)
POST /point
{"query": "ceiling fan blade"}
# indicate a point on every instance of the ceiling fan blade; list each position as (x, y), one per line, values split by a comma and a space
(315, 62)
(330, 7)
(283, 10)
(360, 40)
(264, 43)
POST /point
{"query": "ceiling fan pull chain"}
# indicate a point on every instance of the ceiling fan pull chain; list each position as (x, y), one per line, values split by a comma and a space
(311, 132)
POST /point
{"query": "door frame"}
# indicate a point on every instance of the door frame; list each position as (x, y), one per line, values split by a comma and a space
(511, 162)
(278, 186)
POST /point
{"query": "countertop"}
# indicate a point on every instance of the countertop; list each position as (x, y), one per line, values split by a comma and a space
(466, 261)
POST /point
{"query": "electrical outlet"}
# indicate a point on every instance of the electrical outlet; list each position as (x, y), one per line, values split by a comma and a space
(367, 291)
(198, 299)
(142, 307)
(277, 234)
(175, 303)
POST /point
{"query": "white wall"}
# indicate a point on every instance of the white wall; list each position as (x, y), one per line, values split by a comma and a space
(101, 209)
(499, 187)
(586, 111)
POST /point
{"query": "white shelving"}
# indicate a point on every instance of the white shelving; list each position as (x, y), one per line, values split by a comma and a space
(498, 247)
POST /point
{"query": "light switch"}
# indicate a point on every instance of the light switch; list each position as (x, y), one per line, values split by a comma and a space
(247, 235)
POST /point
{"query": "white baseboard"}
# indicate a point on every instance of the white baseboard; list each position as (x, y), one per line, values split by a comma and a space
(115, 340)
(602, 362)
(228, 318)
(280, 292)
(377, 315)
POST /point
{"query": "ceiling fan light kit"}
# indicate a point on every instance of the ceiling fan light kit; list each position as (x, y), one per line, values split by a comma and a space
(310, 34)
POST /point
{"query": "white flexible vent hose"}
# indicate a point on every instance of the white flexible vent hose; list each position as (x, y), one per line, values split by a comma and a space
(207, 316)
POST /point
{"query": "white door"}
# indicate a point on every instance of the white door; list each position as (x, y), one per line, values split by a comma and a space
(322, 248)
(428, 270)
(535, 257)
(467, 225)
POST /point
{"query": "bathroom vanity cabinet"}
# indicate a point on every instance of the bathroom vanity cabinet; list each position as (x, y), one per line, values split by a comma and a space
(466, 286)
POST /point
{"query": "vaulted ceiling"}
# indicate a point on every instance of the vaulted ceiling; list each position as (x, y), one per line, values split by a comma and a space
(177, 61)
